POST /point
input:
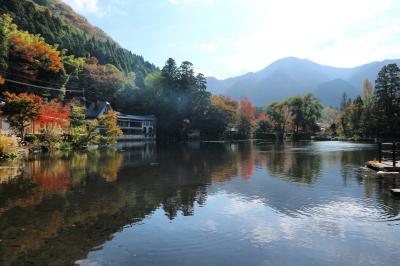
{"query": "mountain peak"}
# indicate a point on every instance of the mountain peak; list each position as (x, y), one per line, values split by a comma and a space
(292, 76)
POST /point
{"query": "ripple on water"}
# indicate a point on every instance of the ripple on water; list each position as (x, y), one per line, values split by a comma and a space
(350, 209)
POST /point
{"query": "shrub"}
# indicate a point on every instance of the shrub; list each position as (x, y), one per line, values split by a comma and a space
(31, 139)
(8, 147)
(52, 135)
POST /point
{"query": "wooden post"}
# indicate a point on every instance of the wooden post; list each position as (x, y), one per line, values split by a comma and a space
(394, 153)
(380, 151)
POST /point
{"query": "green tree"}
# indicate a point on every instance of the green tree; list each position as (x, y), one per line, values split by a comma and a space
(345, 101)
(82, 132)
(279, 114)
(367, 118)
(387, 101)
(5, 29)
(21, 110)
(263, 128)
(296, 109)
(222, 117)
(329, 116)
(312, 109)
(101, 82)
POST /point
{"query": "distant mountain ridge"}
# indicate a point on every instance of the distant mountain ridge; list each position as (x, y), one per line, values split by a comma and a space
(292, 76)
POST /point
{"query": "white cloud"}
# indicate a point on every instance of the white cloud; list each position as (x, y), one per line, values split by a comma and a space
(340, 33)
(180, 2)
(89, 6)
(99, 8)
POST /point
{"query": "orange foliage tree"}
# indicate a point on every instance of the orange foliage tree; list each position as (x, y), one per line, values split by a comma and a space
(247, 119)
(246, 108)
(33, 54)
(54, 113)
(261, 117)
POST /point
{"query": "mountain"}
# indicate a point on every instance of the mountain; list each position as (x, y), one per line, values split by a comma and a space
(59, 24)
(293, 76)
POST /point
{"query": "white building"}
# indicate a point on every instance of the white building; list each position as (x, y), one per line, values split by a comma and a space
(134, 127)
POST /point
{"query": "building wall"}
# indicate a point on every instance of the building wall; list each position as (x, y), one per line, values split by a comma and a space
(137, 128)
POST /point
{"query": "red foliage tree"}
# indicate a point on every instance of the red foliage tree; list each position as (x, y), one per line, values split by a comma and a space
(246, 108)
(261, 117)
(54, 113)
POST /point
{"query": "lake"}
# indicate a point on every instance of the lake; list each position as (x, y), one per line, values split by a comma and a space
(247, 203)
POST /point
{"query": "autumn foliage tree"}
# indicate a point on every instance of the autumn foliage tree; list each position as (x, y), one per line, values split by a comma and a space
(109, 130)
(246, 118)
(54, 113)
(246, 108)
(21, 110)
(223, 115)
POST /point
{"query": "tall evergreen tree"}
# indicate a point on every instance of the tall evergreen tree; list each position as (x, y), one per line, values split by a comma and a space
(387, 101)
(170, 73)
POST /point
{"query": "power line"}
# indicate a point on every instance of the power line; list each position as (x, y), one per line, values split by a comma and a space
(39, 87)
(33, 79)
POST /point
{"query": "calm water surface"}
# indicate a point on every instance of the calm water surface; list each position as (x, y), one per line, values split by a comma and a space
(200, 204)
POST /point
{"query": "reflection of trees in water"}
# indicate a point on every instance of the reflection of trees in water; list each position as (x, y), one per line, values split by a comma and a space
(292, 161)
(108, 189)
(383, 187)
(49, 215)
(247, 160)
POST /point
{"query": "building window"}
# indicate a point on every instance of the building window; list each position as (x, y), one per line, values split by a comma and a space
(136, 124)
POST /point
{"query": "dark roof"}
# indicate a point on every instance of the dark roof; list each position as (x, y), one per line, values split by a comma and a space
(97, 109)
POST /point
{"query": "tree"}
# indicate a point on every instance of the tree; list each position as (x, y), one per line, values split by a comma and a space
(279, 114)
(5, 28)
(109, 130)
(345, 102)
(33, 60)
(170, 73)
(368, 120)
(222, 117)
(101, 82)
(355, 116)
(296, 109)
(312, 108)
(54, 113)
(387, 100)
(246, 118)
(344, 121)
(21, 110)
(262, 129)
(83, 132)
(329, 116)
(368, 88)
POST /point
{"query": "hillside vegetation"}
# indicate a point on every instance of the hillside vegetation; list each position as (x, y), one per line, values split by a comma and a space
(58, 24)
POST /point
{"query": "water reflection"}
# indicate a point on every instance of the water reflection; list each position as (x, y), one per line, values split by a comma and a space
(78, 201)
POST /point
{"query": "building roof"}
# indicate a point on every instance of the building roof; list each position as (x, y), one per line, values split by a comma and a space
(136, 117)
(97, 109)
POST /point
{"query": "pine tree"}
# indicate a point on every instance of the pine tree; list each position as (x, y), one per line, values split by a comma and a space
(387, 103)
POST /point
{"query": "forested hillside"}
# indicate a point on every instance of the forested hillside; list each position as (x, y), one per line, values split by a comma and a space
(85, 63)
(59, 24)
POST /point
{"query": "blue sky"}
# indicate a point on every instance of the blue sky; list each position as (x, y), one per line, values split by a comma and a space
(226, 38)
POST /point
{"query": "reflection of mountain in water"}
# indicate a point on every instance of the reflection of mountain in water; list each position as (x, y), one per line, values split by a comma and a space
(76, 201)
